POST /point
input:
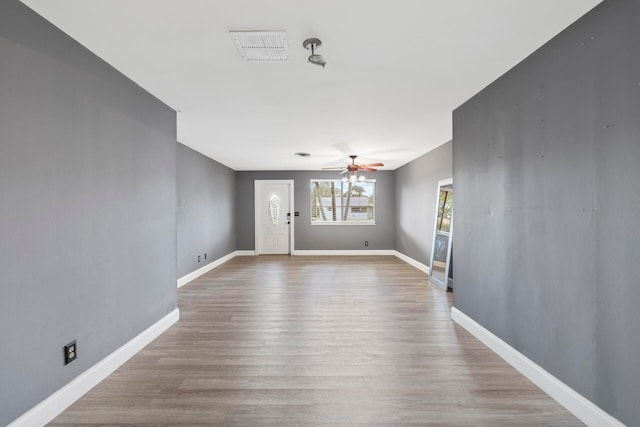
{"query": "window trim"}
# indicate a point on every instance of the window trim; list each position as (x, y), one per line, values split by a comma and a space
(340, 222)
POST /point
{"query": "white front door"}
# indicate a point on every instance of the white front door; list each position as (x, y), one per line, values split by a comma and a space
(273, 216)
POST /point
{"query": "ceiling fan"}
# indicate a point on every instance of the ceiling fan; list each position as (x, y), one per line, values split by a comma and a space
(354, 168)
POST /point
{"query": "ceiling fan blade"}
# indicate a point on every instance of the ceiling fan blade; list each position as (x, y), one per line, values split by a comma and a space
(369, 169)
(372, 165)
(335, 168)
(344, 171)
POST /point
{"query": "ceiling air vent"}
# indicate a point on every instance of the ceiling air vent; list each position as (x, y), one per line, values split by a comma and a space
(262, 45)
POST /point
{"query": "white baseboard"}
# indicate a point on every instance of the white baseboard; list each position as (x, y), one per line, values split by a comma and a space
(207, 268)
(245, 253)
(420, 266)
(53, 405)
(345, 252)
(582, 408)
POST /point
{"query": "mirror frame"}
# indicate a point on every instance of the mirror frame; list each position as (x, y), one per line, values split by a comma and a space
(442, 285)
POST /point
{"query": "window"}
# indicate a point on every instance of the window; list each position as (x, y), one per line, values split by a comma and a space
(336, 202)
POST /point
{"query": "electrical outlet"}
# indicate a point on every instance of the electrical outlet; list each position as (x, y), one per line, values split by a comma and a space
(70, 352)
(366, 243)
(198, 258)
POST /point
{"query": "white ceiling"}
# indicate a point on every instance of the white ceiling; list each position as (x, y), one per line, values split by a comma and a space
(396, 69)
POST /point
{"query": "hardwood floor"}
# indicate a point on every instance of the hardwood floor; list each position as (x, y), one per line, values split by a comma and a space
(280, 340)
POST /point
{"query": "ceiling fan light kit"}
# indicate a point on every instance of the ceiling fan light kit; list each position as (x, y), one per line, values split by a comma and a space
(355, 170)
(312, 44)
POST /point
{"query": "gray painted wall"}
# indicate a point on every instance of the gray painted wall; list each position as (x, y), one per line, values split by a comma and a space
(87, 209)
(206, 210)
(416, 194)
(546, 216)
(319, 237)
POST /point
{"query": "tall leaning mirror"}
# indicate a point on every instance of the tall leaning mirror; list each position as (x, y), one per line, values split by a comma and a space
(442, 236)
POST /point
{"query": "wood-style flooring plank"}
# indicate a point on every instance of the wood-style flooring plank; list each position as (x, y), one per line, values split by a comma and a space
(315, 341)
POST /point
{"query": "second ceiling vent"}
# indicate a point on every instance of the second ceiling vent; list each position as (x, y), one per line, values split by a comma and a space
(262, 45)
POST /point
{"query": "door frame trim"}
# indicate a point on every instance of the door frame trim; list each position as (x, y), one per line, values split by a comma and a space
(257, 228)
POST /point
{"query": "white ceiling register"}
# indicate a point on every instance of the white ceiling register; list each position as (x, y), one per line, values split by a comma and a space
(262, 45)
